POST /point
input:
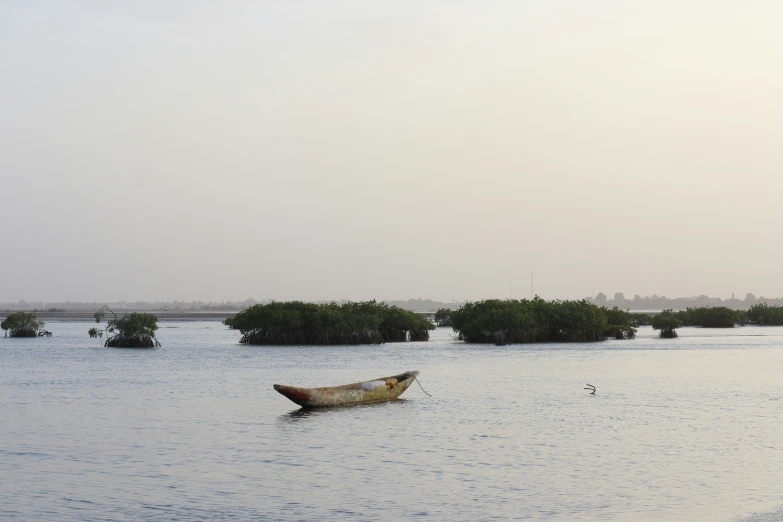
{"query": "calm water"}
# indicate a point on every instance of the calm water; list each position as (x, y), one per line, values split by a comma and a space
(680, 430)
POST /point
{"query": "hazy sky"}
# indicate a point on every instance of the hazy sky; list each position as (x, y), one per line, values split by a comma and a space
(365, 149)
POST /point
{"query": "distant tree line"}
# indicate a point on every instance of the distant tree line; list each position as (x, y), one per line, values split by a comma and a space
(653, 302)
(184, 306)
(656, 302)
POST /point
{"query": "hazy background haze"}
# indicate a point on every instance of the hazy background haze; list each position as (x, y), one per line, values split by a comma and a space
(367, 149)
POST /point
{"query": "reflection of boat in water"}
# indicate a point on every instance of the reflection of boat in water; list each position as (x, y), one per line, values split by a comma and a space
(305, 413)
(376, 390)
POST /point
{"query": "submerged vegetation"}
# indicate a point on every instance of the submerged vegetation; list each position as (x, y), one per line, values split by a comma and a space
(667, 322)
(529, 321)
(24, 324)
(298, 323)
(134, 330)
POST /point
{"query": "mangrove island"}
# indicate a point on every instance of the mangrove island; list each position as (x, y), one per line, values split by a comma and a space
(537, 321)
(298, 323)
(133, 330)
(24, 324)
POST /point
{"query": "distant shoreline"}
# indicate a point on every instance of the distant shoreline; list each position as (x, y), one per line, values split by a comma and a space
(163, 316)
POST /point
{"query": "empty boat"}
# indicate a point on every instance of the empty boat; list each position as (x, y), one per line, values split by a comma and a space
(375, 390)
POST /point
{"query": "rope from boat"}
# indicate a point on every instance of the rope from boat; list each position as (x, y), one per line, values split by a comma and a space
(420, 386)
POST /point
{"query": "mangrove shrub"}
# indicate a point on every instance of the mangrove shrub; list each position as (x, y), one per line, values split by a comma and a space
(229, 321)
(710, 317)
(667, 322)
(529, 321)
(298, 323)
(23, 324)
(620, 324)
(764, 314)
(134, 330)
(443, 317)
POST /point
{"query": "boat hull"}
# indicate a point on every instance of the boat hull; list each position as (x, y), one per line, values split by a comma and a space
(355, 393)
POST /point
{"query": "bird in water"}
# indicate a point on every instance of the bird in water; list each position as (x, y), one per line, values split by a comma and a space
(591, 387)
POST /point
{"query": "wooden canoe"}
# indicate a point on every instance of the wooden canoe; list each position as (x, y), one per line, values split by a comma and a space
(356, 393)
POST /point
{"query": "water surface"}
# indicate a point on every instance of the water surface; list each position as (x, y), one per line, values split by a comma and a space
(684, 429)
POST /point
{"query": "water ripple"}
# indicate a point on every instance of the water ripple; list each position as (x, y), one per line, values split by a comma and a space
(683, 429)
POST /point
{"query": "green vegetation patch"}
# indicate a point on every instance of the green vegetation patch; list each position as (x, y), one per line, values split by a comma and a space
(765, 314)
(23, 324)
(134, 330)
(298, 323)
(621, 324)
(711, 317)
(443, 317)
(529, 321)
(667, 322)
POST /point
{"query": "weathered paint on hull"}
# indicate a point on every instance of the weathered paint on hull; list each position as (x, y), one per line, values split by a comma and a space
(348, 394)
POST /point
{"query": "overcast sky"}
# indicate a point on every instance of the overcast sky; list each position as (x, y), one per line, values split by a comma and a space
(364, 149)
